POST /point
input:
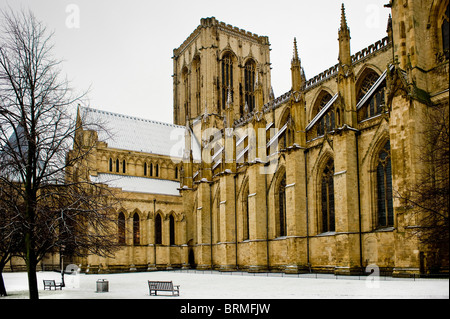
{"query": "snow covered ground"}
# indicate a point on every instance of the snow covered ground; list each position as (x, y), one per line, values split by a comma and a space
(215, 285)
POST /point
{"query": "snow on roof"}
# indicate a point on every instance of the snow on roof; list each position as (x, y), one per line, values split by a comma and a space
(138, 184)
(374, 87)
(322, 112)
(141, 135)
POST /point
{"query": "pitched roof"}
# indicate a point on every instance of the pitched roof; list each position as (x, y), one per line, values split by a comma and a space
(138, 184)
(322, 112)
(141, 135)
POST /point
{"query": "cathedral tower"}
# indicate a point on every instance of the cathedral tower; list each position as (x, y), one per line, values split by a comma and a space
(214, 59)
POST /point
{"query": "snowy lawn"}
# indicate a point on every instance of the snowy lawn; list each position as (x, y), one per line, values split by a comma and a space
(229, 286)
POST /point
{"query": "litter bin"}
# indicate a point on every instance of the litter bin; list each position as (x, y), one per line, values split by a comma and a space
(102, 285)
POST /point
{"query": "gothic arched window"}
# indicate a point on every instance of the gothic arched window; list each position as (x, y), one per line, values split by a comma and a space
(172, 229)
(282, 207)
(185, 79)
(245, 219)
(445, 32)
(117, 165)
(375, 103)
(136, 230)
(327, 123)
(324, 101)
(145, 169)
(110, 164)
(227, 78)
(367, 82)
(249, 84)
(327, 200)
(198, 83)
(121, 228)
(158, 230)
(323, 98)
(384, 187)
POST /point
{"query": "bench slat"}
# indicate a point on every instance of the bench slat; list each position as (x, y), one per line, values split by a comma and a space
(156, 286)
(51, 283)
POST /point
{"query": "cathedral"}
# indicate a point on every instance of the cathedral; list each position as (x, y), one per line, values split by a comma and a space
(306, 181)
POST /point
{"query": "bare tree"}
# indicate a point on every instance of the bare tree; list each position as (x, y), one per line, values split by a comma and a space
(429, 196)
(54, 206)
(10, 239)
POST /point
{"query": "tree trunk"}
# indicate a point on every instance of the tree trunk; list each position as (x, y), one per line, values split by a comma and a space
(32, 278)
(2, 283)
(30, 259)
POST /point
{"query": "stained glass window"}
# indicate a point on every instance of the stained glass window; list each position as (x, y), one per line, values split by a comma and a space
(227, 78)
(158, 229)
(249, 85)
(328, 217)
(246, 227)
(282, 207)
(121, 228)
(366, 84)
(384, 188)
(136, 230)
(172, 229)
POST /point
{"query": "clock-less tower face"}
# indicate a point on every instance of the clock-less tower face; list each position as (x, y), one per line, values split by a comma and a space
(214, 61)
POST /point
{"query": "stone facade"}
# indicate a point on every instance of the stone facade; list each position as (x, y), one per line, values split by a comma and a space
(301, 182)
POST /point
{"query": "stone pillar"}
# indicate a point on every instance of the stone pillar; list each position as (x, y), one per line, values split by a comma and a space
(296, 211)
(257, 218)
(346, 202)
(203, 249)
(227, 222)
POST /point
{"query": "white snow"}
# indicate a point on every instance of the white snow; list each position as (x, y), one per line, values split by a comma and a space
(215, 285)
(137, 134)
(138, 184)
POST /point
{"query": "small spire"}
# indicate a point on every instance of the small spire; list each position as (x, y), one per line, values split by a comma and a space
(295, 55)
(389, 24)
(343, 18)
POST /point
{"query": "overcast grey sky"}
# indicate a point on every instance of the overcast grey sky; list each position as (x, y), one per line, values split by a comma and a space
(122, 49)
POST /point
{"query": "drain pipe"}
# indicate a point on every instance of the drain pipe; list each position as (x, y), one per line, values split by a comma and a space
(154, 235)
(307, 213)
(235, 222)
(210, 226)
(357, 133)
(267, 221)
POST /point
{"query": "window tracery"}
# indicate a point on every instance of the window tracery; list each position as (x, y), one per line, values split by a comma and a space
(249, 85)
(282, 207)
(366, 84)
(445, 32)
(158, 230)
(327, 200)
(246, 226)
(172, 229)
(384, 187)
(136, 230)
(227, 78)
(121, 228)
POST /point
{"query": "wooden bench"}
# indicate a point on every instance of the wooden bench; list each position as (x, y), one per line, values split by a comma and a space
(52, 284)
(155, 286)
